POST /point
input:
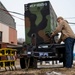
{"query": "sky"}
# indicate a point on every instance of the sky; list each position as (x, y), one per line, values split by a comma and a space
(64, 8)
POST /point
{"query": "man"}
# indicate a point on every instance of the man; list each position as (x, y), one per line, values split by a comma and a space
(67, 36)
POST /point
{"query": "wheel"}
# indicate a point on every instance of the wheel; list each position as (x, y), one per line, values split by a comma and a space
(22, 63)
(64, 62)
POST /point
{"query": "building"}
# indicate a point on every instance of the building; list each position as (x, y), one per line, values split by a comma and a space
(8, 33)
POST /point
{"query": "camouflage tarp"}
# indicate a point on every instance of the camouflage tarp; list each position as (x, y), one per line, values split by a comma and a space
(40, 19)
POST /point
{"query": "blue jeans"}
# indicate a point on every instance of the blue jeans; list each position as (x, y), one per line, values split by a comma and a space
(69, 43)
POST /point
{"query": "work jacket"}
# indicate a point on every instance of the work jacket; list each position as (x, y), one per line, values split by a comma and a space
(65, 30)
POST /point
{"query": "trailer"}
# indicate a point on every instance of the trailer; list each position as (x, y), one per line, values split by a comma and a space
(40, 21)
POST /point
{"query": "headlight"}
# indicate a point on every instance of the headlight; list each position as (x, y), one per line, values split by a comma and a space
(28, 52)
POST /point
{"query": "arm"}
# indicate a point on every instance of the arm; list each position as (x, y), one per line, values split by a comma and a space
(58, 29)
(60, 39)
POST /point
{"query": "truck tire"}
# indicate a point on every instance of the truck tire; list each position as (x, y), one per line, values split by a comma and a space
(64, 62)
(22, 63)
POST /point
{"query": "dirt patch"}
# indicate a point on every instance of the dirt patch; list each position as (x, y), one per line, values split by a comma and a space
(45, 71)
(62, 71)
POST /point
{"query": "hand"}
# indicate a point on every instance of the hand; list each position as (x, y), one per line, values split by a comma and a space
(59, 41)
(52, 34)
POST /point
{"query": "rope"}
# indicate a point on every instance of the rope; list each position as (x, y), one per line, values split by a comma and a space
(27, 63)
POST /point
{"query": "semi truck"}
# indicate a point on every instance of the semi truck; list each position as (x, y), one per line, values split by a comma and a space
(40, 21)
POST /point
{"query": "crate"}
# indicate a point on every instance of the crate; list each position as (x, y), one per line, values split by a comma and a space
(7, 58)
